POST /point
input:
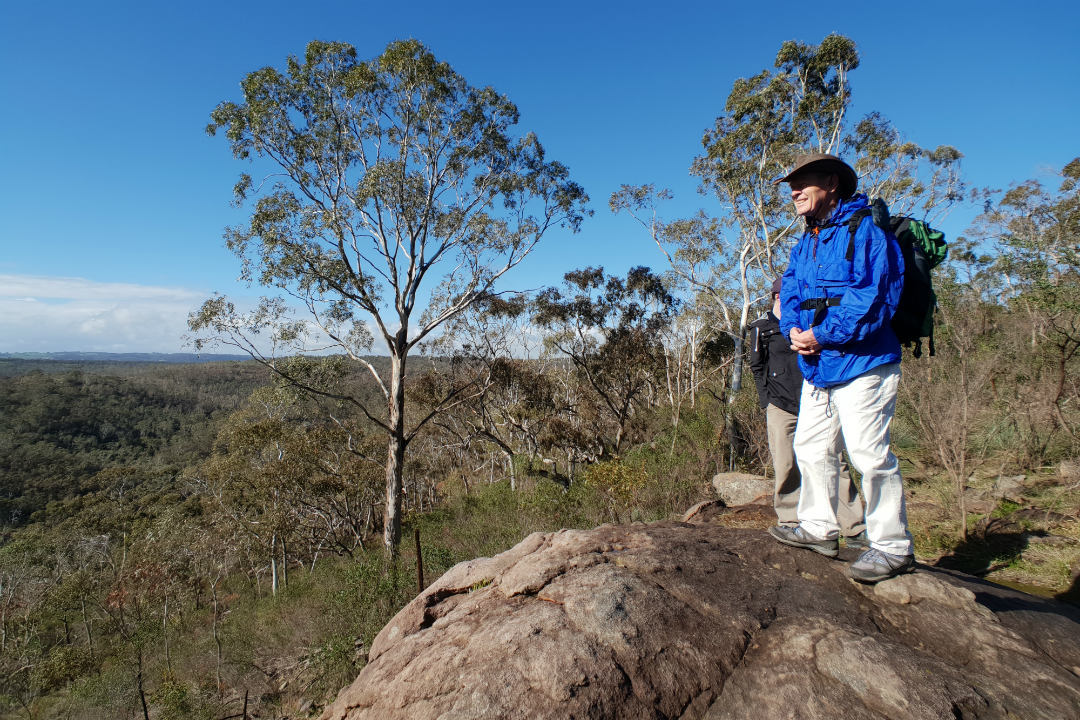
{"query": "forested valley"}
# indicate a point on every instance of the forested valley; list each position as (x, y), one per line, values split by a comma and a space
(196, 538)
(224, 540)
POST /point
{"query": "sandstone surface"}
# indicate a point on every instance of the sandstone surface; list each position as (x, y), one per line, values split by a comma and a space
(694, 620)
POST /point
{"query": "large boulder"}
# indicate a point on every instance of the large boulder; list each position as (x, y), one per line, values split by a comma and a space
(695, 620)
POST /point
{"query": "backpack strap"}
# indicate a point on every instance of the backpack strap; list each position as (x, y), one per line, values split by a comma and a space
(853, 226)
(879, 210)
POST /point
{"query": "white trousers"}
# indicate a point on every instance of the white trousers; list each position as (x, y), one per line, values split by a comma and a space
(857, 413)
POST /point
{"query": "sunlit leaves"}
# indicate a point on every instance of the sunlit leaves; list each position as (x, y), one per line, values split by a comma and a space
(388, 167)
(388, 178)
(1036, 230)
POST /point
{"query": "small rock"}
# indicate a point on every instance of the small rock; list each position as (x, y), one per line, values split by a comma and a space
(742, 488)
(1010, 487)
(1040, 516)
(1051, 540)
(984, 500)
(983, 507)
(914, 588)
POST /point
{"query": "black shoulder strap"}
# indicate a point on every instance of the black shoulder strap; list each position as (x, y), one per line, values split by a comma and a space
(853, 227)
(879, 210)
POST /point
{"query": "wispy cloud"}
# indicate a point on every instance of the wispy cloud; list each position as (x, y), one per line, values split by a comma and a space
(43, 314)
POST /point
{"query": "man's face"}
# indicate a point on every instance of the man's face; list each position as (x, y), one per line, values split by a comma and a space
(814, 195)
(776, 306)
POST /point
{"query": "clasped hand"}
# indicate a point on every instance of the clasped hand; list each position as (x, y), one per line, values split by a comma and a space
(804, 342)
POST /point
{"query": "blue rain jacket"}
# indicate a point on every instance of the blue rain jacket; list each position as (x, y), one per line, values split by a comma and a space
(856, 335)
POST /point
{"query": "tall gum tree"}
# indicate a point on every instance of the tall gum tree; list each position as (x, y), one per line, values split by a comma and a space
(400, 196)
(728, 259)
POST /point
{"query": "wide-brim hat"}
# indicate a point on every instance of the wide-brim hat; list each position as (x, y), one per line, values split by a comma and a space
(825, 163)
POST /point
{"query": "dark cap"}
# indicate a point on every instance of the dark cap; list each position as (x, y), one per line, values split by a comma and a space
(776, 286)
(825, 163)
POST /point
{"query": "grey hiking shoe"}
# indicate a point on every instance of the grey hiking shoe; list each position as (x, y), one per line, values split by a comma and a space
(797, 537)
(875, 565)
(857, 542)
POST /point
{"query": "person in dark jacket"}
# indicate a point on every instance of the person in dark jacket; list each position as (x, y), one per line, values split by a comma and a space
(836, 308)
(779, 384)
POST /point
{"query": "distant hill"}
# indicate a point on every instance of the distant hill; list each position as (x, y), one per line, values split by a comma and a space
(123, 357)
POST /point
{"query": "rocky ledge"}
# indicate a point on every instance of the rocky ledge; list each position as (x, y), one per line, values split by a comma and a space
(695, 620)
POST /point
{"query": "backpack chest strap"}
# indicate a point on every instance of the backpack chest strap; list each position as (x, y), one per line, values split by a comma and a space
(819, 303)
(820, 306)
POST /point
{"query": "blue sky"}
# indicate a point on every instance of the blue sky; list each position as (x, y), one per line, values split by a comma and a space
(113, 199)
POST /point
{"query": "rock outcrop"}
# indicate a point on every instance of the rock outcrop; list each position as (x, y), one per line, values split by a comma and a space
(695, 620)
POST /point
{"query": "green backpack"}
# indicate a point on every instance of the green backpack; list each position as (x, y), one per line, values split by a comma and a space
(923, 249)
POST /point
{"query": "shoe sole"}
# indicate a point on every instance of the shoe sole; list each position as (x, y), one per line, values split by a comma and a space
(827, 552)
(879, 578)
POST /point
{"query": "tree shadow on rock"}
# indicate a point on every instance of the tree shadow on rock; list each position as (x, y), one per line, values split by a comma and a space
(993, 544)
(1002, 599)
(1072, 595)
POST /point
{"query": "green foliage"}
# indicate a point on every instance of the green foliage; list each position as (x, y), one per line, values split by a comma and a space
(111, 576)
(108, 694)
(62, 665)
(59, 431)
(1036, 271)
(392, 170)
(618, 482)
(175, 700)
(1005, 507)
(610, 329)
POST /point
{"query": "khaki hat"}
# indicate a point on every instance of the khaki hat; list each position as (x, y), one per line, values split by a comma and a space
(823, 162)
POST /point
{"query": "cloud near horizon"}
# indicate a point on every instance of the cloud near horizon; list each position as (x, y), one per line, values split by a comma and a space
(68, 314)
(58, 314)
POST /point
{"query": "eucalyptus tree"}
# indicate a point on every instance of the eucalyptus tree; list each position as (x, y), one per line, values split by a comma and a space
(1035, 232)
(401, 195)
(728, 258)
(610, 328)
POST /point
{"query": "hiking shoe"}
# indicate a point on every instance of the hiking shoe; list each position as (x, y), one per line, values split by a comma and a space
(874, 565)
(797, 537)
(857, 542)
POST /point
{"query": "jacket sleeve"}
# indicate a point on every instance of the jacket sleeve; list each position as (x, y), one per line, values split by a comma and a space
(759, 353)
(871, 299)
(789, 294)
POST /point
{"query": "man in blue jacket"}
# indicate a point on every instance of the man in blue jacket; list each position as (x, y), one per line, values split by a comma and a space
(836, 307)
(779, 384)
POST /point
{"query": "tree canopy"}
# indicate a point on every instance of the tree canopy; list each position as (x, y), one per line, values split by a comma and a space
(399, 196)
